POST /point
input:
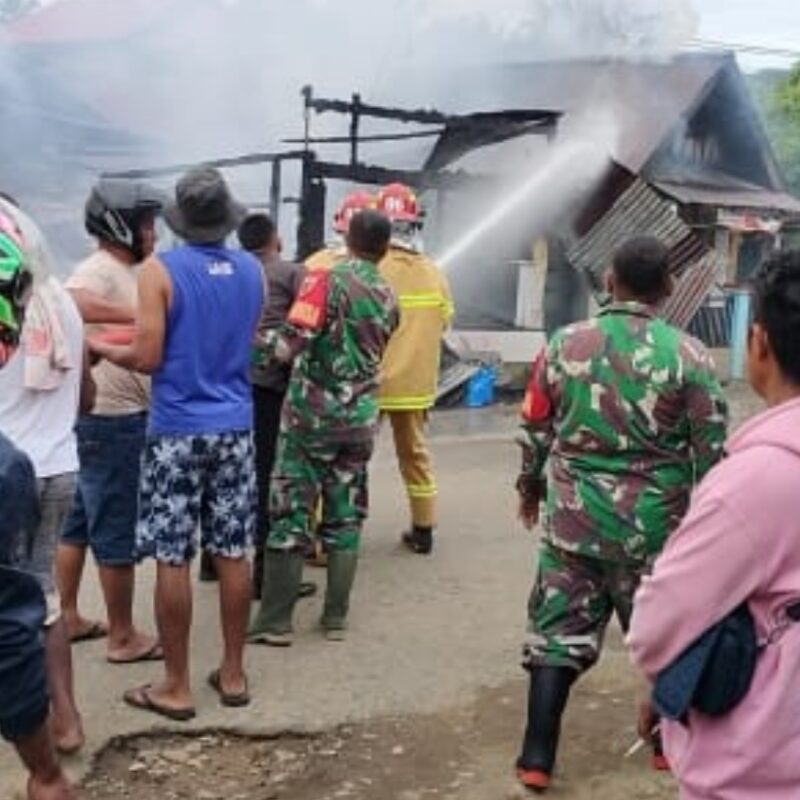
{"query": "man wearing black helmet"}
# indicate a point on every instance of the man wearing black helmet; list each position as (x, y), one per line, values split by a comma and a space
(120, 215)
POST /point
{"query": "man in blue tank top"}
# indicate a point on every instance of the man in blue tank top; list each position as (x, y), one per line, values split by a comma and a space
(199, 307)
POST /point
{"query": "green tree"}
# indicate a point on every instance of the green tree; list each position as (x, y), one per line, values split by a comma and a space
(788, 95)
(778, 95)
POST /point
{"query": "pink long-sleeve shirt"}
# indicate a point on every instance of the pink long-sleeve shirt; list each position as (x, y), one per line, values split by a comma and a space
(740, 541)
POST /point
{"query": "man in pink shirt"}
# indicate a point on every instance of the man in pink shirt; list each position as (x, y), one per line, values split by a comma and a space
(740, 543)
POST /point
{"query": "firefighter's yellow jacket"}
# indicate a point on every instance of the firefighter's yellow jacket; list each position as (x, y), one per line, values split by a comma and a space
(410, 373)
(327, 258)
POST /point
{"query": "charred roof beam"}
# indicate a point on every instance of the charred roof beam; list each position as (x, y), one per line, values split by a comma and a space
(376, 137)
(220, 163)
(422, 116)
(379, 176)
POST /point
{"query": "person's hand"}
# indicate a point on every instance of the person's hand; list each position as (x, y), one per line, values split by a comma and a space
(529, 509)
(648, 719)
(98, 349)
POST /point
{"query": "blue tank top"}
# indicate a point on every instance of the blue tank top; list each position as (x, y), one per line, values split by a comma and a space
(203, 385)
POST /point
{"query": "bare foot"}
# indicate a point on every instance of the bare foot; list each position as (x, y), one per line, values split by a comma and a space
(134, 648)
(232, 683)
(56, 787)
(177, 706)
(84, 630)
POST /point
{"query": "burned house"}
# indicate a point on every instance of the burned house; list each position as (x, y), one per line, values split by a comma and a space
(679, 151)
(689, 161)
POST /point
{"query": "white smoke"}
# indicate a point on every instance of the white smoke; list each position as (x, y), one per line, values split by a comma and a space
(574, 164)
(632, 28)
(540, 183)
(217, 78)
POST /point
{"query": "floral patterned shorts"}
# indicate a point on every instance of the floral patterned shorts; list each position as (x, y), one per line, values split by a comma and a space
(190, 482)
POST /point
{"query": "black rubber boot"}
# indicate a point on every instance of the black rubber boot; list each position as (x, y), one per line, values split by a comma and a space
(283, 572)
(547, 699)
(341, 575)
(419, 540)
(208, 570)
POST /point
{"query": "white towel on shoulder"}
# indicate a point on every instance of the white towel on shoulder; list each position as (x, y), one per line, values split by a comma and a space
(44, 343)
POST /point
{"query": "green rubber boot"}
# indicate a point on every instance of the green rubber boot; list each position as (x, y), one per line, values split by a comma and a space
(342, 567)
(283, 572)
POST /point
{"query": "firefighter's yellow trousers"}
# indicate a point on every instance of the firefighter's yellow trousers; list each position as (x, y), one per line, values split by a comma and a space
(416, 467)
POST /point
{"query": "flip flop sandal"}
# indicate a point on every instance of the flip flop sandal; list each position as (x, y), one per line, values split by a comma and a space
(155, 653)
(141, 699)
(238, 700)
(96, 630)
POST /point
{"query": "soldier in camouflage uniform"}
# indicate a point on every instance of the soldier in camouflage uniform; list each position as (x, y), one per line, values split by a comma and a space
(335, 335)
(627, 414)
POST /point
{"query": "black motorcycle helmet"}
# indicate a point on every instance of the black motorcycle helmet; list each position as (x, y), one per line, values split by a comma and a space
(116, 210)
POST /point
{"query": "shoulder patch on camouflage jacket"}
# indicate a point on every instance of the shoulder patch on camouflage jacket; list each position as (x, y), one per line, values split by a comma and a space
(310, 309)
(537, 405)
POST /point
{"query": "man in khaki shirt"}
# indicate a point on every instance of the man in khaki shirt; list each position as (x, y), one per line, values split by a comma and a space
(121, 216)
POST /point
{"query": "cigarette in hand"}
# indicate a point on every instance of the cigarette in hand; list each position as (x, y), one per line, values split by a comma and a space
(640, 743)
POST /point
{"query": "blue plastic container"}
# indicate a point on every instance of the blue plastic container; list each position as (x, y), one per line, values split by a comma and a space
(740, 326)
(480, 389)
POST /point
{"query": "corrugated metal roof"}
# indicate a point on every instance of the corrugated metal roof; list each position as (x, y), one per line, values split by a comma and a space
(745, 196)
(638, 211)
(692, 288)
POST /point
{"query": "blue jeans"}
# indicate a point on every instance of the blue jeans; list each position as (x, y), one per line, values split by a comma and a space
(106, 502)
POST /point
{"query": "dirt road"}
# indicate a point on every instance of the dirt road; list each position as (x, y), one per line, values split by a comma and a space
(427, 687)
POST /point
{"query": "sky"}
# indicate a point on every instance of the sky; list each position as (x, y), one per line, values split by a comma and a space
(772, 23)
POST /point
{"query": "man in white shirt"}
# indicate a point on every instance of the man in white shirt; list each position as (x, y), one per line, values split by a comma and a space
(38, 404)
(38, 409)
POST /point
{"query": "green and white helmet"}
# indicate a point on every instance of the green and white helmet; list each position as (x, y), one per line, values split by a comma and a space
(16, 283)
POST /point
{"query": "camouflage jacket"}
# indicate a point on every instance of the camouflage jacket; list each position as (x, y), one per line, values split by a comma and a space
(629, 416)
(335, 335)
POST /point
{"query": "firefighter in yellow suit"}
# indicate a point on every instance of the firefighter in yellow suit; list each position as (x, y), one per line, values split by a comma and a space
(410, 371)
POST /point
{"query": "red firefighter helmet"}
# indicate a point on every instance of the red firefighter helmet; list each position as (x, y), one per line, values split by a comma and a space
(399, 203)
(351, 205)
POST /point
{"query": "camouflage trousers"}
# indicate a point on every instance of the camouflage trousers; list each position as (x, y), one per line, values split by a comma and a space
(307, 470)
(571, 604)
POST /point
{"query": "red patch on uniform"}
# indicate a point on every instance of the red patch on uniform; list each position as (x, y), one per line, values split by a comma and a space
(537, 406)
(311, 306)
